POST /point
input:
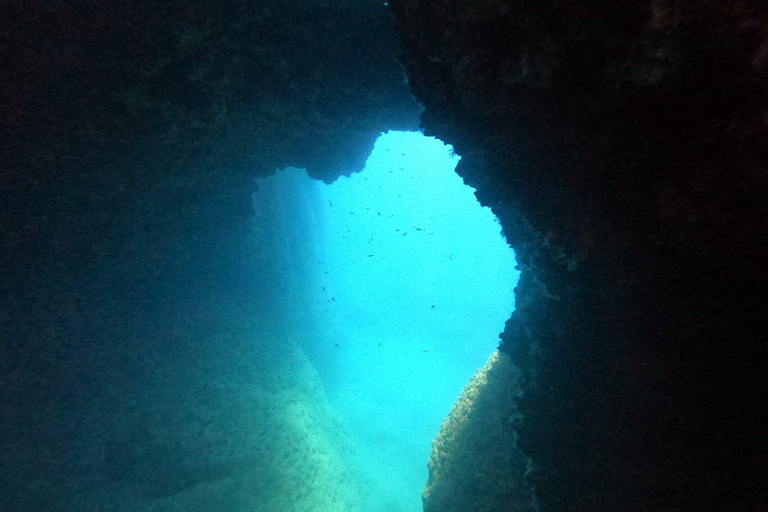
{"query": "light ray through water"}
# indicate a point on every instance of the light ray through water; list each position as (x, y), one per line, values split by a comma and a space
(417, 282)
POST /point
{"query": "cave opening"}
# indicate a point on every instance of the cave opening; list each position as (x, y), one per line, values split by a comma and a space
(402, 283)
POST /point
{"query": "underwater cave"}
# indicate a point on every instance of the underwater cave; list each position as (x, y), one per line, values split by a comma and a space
(355, 255)
(408, 282)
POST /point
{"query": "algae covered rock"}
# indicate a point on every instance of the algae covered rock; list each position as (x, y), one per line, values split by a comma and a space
(475, 463)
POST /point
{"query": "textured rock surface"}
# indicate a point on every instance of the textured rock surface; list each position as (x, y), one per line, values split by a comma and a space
(475, 463)
(623, 146)
(130, 133)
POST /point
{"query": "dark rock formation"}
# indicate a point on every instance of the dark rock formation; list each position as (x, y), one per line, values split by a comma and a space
(130, 134)
(624, 148)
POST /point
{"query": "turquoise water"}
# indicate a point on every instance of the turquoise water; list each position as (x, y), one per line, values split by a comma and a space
(375, 299)
(414, 282)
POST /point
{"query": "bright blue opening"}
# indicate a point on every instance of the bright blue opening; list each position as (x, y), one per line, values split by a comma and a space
(410, 282)
(421, 282)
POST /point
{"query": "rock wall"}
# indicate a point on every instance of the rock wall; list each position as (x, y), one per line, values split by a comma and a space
(130, 134)
(475, 462)
(623, 146)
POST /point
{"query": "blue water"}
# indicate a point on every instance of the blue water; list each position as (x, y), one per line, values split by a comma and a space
(414, 282)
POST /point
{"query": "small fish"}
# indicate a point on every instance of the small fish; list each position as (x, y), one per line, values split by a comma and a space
(419, 229)
(370, 255)
(391, 215)
(330, 203)
(351, 213)
(405, 233)
(398, 230)
(333, 299)
(425, 351)
(323, 288)
(378, 213)
(335, 344)
(433, 306)
(450, 258)
(430, 233)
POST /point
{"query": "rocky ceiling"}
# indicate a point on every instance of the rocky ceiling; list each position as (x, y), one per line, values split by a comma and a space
(127, 115)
